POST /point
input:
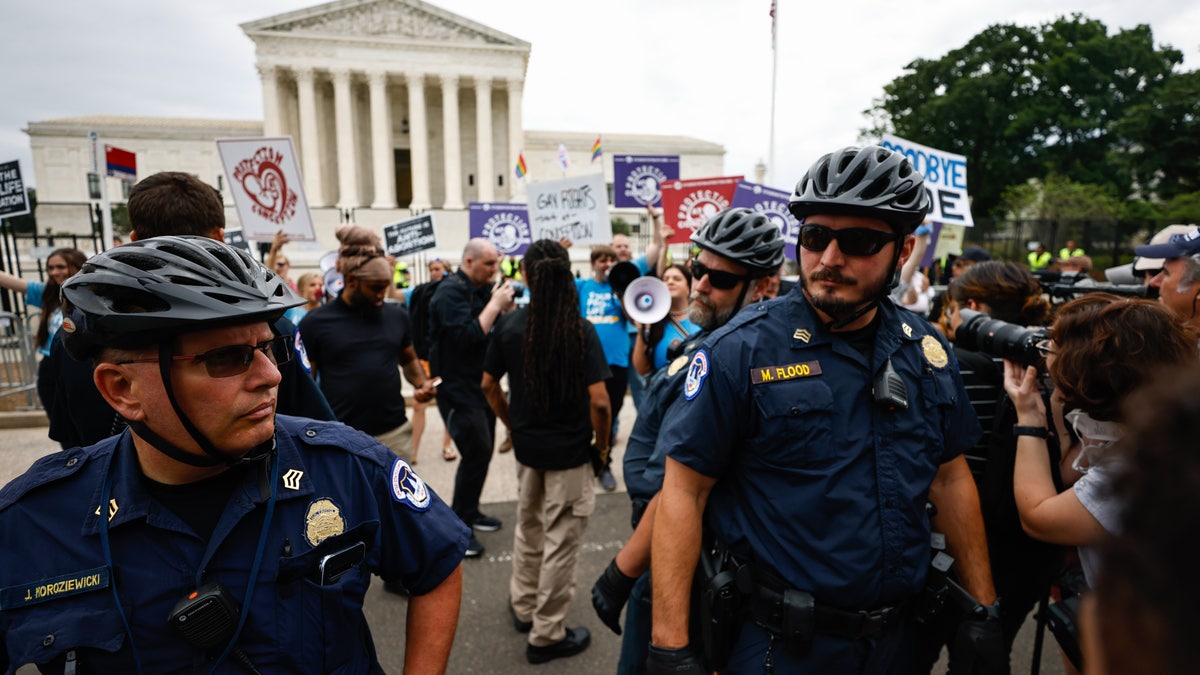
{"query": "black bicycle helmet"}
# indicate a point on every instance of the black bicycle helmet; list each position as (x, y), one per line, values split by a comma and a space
(870, 181)
(147, 291)
(745, 237)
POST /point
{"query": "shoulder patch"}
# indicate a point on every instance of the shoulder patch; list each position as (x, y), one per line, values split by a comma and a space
(697, 371)
(407, 487)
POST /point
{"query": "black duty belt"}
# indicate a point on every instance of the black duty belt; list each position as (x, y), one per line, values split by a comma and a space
(794, 615)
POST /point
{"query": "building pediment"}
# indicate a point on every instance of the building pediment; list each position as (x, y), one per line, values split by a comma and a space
(391, 20)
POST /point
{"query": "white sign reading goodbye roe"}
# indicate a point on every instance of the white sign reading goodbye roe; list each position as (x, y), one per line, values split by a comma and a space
(945, 179)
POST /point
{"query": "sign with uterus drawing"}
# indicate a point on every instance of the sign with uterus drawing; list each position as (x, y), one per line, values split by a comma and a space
(264, 178)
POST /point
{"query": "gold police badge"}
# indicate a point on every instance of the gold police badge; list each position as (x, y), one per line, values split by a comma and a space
(323, 520)
(676, 365)
(935, 354)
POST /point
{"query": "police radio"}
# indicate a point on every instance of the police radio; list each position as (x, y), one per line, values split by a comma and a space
(647, 300)
(207, 618)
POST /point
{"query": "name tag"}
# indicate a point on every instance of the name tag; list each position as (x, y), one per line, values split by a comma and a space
(32, 593)
(768, 374)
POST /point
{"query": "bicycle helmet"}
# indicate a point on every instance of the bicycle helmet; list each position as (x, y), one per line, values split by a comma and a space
(146, 291)
(871, 181)
(745, 237)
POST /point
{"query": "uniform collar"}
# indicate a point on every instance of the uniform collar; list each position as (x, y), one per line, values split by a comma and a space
(894, 328)
(129, 501)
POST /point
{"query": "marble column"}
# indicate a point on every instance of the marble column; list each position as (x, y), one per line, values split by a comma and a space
(310, 148)
(453, 144)
(485, 176)
(343, 113)
(272, 123)
(381, 143)
(418, 135)
(516, 138)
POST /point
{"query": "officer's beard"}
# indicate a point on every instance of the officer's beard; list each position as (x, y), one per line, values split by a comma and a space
(838, 308)
(708, 316)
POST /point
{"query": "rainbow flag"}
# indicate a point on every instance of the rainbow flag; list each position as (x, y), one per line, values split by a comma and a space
(521, 168)
(597, 151)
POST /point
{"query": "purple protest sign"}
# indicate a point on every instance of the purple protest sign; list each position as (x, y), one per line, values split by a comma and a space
(505, 225)
(637, 179)
(774, 205)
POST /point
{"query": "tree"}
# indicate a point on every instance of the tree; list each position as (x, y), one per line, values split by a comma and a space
(1160, 139)
(1024, 103)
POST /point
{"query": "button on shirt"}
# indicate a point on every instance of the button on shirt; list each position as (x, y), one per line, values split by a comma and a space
(337, 487)
(816, 481)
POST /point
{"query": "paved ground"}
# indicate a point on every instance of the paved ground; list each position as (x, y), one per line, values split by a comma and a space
(486, 641)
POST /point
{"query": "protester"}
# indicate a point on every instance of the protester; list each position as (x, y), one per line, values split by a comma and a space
(600, 305)
(180, 330)
(655, 343)
(418, 310)
(277, 261)
(556, 372)
(309, 288)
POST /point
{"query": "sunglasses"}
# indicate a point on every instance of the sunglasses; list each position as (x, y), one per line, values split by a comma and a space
(719, 279)
(856, 241)
(234, 359)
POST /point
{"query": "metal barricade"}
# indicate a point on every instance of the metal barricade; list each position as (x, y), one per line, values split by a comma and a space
(18, 360)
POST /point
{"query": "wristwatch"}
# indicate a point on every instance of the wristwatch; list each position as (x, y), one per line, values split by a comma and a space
(1040, 432)
(987, 612)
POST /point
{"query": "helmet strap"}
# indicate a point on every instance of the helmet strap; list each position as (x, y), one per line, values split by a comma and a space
(165, 352)
(893, 281)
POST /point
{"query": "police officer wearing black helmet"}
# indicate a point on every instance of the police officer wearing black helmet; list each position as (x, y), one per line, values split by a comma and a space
(812, 432)
(212, 535)
(739, 251)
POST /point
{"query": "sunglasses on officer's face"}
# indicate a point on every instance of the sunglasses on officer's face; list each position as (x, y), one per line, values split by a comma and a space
(719, 279)
(856, 241)
(234, 359)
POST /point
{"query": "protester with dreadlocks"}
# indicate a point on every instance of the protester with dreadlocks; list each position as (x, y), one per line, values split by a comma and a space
(556, 370)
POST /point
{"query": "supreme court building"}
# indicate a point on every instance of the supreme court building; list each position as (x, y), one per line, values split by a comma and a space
(395, 107)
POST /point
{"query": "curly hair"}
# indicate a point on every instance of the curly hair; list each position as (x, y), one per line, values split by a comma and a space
(1147, 587)
(51, 299)
(554, 335)
(1107, 347)
(1008, 290)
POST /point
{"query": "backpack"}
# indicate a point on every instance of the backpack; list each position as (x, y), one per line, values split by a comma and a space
(418, 311)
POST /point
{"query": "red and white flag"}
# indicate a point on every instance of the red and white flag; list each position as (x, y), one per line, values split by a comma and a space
(772, 24)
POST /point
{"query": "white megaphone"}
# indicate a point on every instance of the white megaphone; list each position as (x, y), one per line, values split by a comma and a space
(647, 300)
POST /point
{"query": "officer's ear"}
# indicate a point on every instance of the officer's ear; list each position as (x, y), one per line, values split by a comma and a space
(906, 249)
(121, 387)
(761, 286)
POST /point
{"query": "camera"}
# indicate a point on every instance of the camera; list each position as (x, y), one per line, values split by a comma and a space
(980, 332)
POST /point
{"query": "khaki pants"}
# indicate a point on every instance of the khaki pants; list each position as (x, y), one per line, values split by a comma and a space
(399, 441)
(552, 512)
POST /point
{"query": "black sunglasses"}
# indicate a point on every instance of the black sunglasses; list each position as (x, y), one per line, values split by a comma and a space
(234, 359)
(719, 279)
(856, 241)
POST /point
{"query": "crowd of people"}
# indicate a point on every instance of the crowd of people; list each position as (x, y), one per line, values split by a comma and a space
(850, 476)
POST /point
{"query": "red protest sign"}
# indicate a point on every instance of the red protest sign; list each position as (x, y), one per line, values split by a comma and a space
(688, 204)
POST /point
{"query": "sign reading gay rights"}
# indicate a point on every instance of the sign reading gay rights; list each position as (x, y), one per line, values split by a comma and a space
(945, 179)
(574, 208)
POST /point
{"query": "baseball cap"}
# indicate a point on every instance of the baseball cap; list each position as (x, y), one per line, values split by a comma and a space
(975, 253)
(1173, 241)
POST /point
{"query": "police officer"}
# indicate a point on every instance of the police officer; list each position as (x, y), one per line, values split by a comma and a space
(259, 530)
(815, 428)
(740, 251)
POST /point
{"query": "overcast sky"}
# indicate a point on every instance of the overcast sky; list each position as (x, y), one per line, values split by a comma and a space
(698, 68)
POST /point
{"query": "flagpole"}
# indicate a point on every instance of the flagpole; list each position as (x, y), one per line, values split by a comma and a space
(774, 72)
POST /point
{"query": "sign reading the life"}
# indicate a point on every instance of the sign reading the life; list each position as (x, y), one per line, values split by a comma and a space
(573, 208)
(264, 178)
(14, 197)
(409, 236)
(945, 179)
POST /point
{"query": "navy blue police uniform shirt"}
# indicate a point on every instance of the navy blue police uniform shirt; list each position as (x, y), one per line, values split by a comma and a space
(643, 466)
(817, 482)
(336, 486)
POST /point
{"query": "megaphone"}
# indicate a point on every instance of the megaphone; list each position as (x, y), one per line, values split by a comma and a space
(621, 274)
(647, 300)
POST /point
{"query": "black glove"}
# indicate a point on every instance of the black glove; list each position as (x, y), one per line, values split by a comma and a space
(682, 661)
(978, 649)
(609, 595)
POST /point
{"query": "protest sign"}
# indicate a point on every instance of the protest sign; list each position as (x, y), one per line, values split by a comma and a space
(14, 198)
(688, 204)
(773, 204)
(574, 208)
(409, 236)
(505, 225)
(637, 179)
(234, 238)
(945, 179)
(264, 179)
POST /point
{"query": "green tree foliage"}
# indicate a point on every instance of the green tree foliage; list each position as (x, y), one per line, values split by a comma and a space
(1161, 148)
(1184, 208)
(1024, 103)
(1060, 198)
(621, 226)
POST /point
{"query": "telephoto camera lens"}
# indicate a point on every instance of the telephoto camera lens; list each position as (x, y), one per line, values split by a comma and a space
(981, 333)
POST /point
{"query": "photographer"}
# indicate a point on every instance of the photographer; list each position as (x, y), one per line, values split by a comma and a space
(1102, 347)
(1022, 569)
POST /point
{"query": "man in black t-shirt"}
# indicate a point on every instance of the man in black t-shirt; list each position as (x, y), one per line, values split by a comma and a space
(558, 400)
(357, 345)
